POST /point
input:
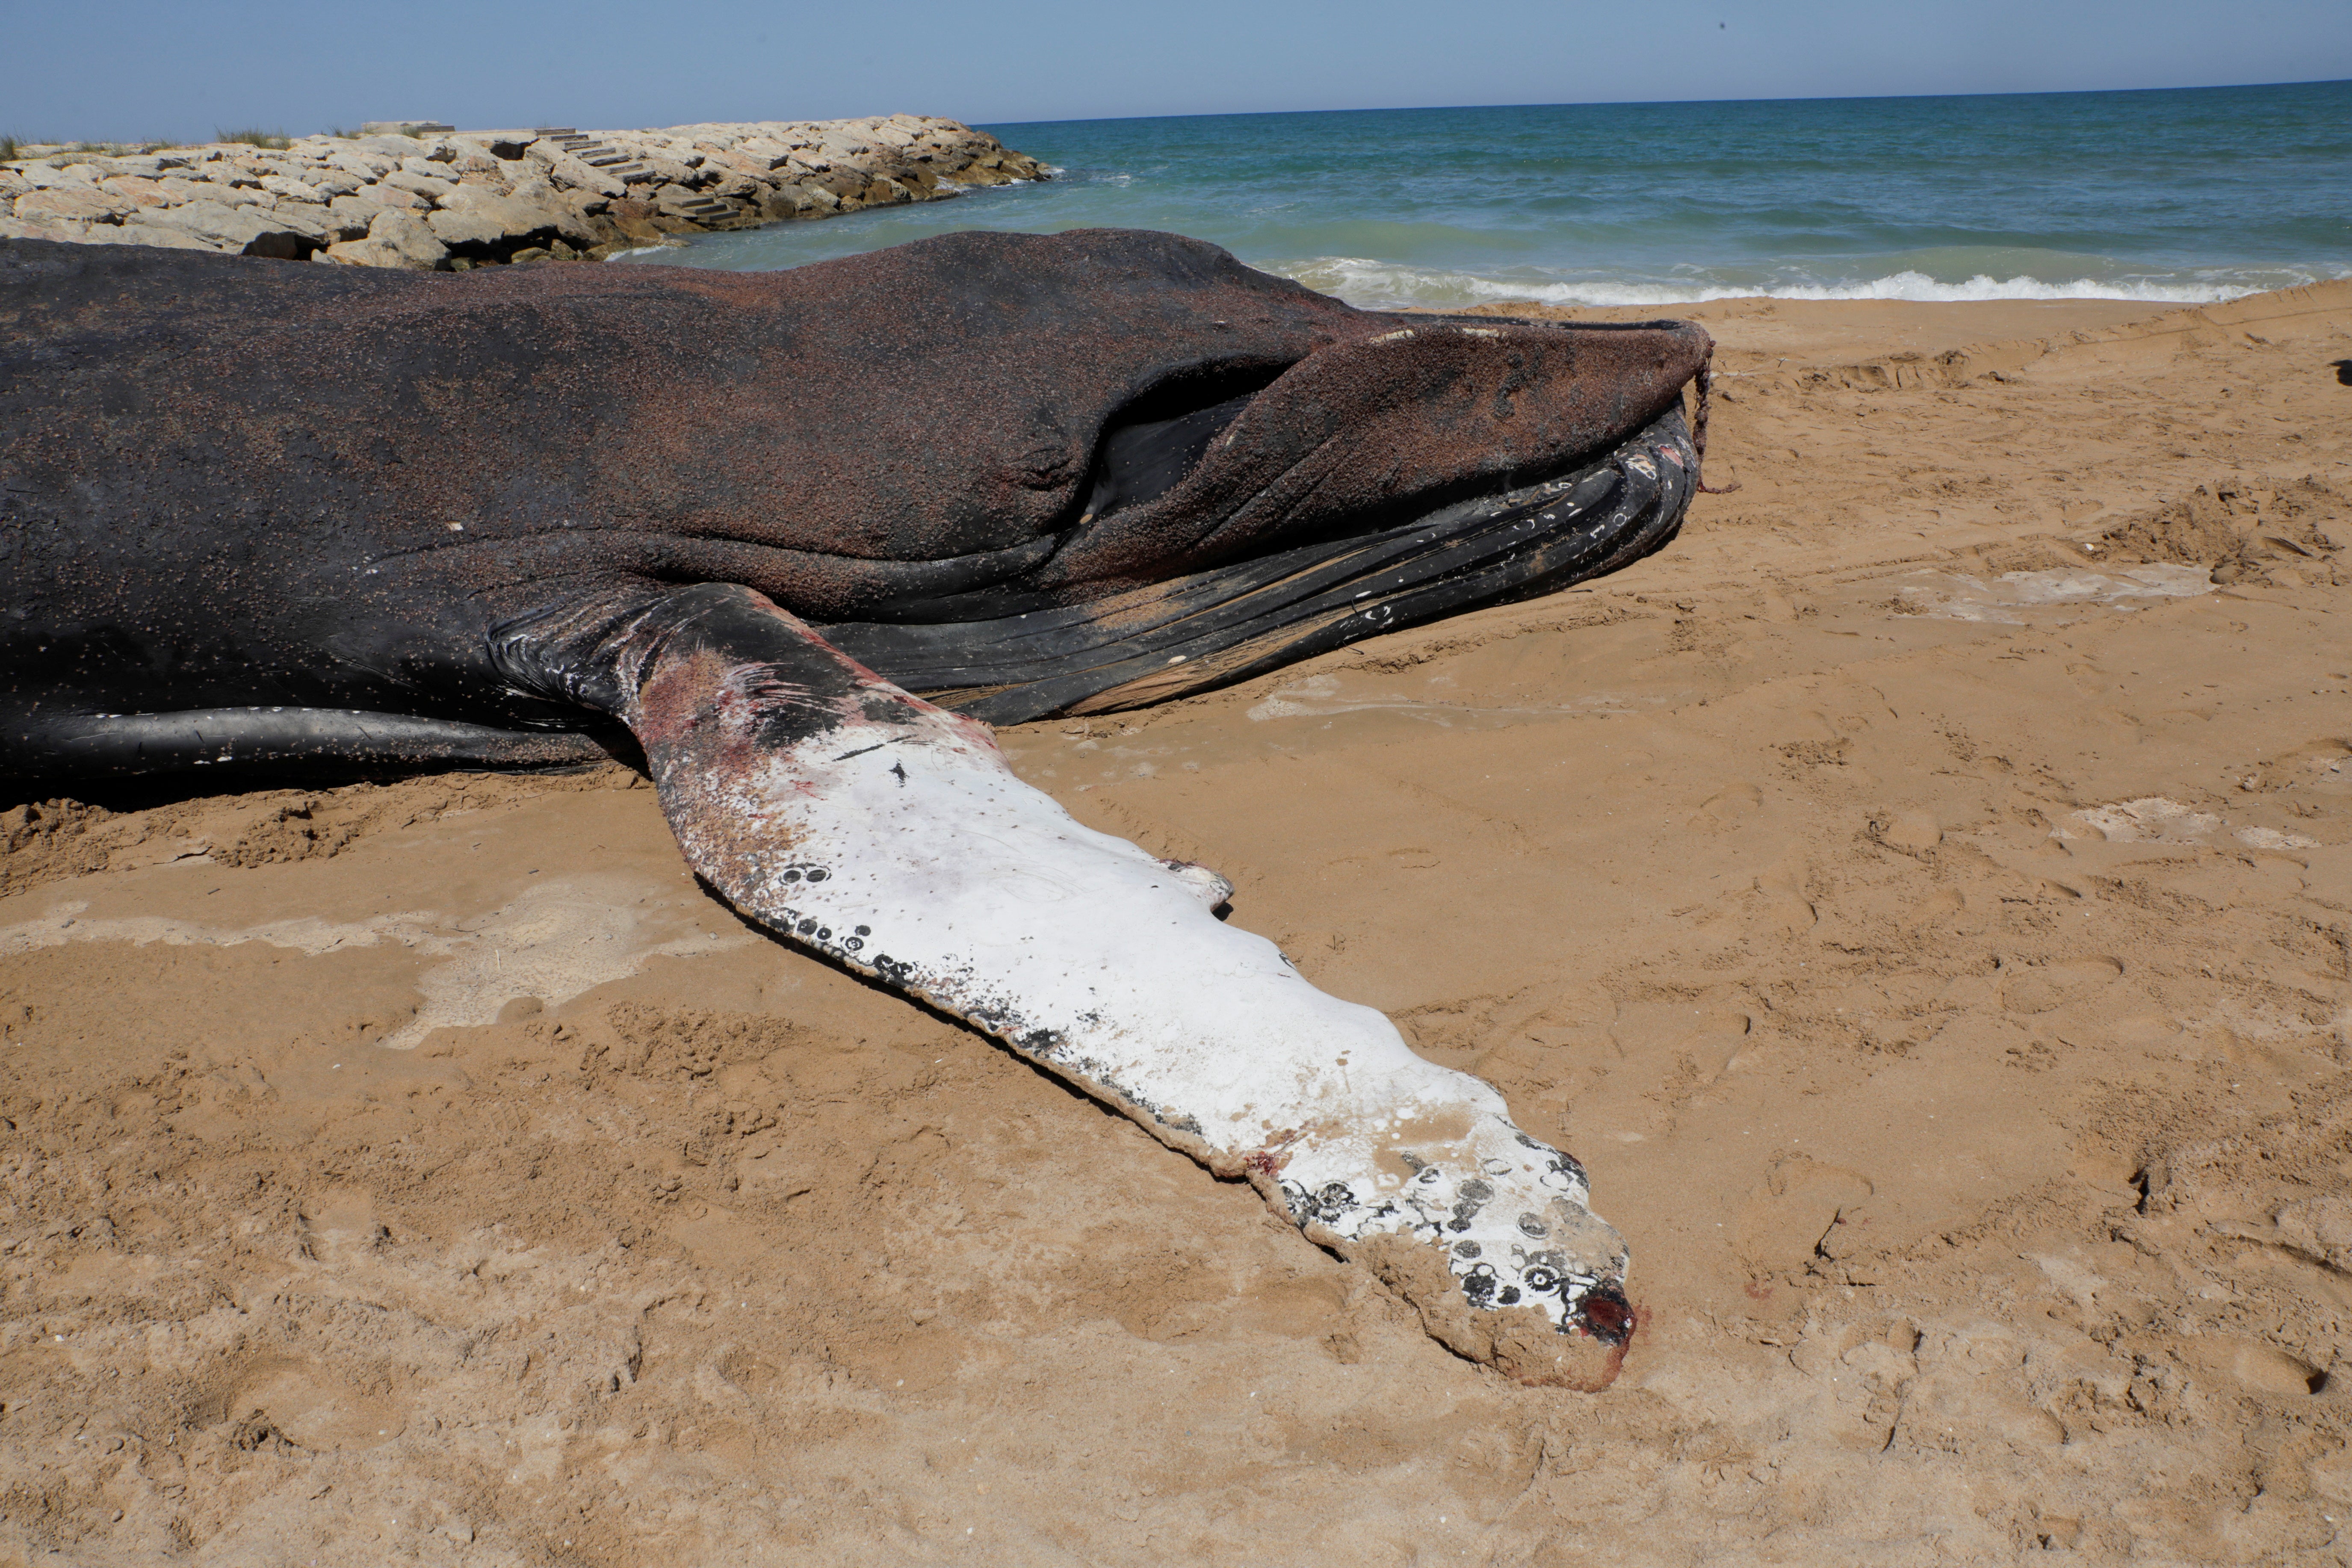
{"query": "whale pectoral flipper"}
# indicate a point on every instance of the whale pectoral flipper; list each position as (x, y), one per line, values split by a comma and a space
(890, 835)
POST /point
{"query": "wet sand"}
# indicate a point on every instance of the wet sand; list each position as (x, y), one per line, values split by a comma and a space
(1922, 896)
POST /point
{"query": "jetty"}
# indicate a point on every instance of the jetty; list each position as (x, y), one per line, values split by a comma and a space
(425, 197)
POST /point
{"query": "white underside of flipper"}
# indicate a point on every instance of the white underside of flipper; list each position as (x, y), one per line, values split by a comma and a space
(906, 849)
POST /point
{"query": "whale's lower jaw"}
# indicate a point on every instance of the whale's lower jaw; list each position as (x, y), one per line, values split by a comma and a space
(1193, 633)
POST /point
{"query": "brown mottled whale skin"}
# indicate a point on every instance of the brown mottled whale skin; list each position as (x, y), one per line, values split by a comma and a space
(1024, 472)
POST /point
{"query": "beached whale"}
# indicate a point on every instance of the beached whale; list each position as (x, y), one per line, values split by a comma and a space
(266, 516)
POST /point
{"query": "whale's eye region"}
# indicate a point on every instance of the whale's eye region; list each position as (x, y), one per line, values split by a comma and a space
(1149, 446)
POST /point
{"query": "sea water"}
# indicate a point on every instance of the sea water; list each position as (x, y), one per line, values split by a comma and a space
(2180, 195)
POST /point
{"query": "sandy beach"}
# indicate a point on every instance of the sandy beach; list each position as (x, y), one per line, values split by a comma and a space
(1921, 896)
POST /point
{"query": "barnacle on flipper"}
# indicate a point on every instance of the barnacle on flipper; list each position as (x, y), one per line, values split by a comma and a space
(1500, 1255)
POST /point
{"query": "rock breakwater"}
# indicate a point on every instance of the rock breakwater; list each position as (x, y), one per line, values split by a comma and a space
(450, 201)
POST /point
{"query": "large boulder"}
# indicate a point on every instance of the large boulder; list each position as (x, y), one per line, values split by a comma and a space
(362, 165)
(287, 187)
(418, 246)
(350, 216)
(62, 230)
(430, 188)
(365, 252)
(138, 190)
(82, 205)
(465, 230)
(564, 171)
(789, 202)
(483, 217)
(255, 231)
(138, 231)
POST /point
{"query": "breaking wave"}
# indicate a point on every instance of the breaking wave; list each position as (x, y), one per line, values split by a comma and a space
(1388, 286)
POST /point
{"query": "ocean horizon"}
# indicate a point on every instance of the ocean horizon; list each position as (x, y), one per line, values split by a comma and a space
(2168, 195)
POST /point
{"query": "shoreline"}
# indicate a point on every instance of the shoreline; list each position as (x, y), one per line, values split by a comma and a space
(449, 201)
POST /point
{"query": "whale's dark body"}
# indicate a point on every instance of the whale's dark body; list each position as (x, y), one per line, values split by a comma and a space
(267, 513)
(287, 516)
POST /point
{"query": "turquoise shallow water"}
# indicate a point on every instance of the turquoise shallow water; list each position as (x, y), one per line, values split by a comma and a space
(2179, 195)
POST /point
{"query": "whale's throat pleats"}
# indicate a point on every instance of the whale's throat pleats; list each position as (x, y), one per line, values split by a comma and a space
(1150, 446)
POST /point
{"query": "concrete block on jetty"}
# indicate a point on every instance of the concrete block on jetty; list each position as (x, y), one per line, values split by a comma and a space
(439, 200)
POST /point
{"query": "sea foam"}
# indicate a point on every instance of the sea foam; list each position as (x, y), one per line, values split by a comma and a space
(1380, 285)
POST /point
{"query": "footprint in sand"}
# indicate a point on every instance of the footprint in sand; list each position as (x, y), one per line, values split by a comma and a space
(1781, 1226)
(1727, 808)
(289, 1404)
(2043, 987)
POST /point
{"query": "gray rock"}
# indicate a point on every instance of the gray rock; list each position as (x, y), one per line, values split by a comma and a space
(470, 228)
(403, 200)
(43, 177)
(19, 228)
(138, 190)
(679, 202)
(291, 189)
(514, 217)
(565, 171)
(591, 213)
(418, 246)
(786, 201)
(241, 228)
(152, 164)
(364, 166)
(363, 252)
(57, 204)
(311, 220)
(348, 217)
(667, 171)
(402, 127)
(425, 185)
(137, 231)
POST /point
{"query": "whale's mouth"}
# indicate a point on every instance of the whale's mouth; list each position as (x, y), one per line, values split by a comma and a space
(1153, 446)
(1242, 618)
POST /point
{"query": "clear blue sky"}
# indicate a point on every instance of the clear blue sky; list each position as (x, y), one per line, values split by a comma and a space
(179, 70)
